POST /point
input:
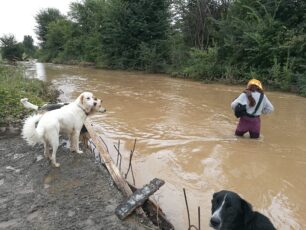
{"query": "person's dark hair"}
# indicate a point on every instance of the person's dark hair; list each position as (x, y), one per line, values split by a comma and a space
(252, 88)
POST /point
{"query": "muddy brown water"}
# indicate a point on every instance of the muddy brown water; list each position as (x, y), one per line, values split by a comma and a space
(184, 133)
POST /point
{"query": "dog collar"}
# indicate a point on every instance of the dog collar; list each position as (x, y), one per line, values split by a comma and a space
(83, 110)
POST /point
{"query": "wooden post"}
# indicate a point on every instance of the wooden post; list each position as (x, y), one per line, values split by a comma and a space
(138, 198)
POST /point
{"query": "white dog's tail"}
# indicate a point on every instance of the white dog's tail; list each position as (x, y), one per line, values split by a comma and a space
(29, 132)
(28, 105)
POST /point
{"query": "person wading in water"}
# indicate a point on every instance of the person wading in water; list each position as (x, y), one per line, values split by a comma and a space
(256, 103)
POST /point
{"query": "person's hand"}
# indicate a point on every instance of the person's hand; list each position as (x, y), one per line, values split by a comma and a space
(248, 92)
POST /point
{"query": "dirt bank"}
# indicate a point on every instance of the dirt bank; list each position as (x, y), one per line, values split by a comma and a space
(33, 195)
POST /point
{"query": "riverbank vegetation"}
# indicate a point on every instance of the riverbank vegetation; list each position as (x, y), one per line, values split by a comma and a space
(14, 86)
(209, 40)
(13, 51)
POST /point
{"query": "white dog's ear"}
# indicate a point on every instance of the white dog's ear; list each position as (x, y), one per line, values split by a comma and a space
(82, 99)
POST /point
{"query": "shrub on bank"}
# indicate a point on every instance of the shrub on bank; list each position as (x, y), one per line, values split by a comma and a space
(206, 65)
(14, 86)
(203, 65)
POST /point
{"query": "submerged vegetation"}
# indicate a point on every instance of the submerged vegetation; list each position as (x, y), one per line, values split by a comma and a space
(13, 87)
(209, 40)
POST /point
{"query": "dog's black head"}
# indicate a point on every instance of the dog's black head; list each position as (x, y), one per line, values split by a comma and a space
(229, 211)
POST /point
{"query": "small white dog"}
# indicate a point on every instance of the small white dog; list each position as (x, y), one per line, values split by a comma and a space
(69, 119)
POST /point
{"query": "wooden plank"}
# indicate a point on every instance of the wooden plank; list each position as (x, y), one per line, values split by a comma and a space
(138, 198)
(113, 170)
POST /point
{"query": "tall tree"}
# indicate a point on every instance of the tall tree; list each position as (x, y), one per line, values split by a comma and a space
(135, 34)
(28, 45)
(198, 28)
(88, 17)
(59, 33)
(43, 19)
(10, 49)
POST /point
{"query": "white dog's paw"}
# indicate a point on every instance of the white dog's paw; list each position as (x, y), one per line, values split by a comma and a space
(79, 151)
(57, 165)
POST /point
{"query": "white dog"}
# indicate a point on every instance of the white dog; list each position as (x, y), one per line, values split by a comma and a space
(69, 119)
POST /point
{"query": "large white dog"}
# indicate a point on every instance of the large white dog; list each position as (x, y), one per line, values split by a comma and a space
(45, 128)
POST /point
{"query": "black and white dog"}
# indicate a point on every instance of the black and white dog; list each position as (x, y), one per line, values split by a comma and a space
(231, 212)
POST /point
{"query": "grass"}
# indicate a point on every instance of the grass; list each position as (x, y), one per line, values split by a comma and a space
(13, 87)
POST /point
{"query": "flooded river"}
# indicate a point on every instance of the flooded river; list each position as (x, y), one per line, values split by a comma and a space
(185, 135)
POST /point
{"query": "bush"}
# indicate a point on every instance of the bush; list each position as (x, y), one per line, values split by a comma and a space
(203, 65)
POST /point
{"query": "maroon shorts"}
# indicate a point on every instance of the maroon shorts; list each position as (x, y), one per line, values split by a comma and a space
(248, 124)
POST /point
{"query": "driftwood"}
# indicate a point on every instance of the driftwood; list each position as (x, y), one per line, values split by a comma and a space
(149, 209)
(111, 167)
(138, 198)
(113, 170)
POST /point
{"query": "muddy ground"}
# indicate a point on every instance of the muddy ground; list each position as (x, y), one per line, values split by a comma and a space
(34, 195)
